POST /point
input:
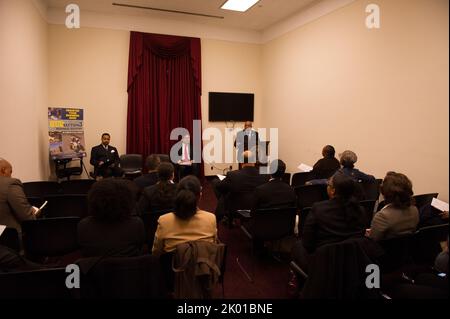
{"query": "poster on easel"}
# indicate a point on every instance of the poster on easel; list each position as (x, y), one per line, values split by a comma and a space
(66, 133)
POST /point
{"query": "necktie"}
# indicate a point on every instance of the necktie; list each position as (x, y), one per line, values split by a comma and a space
(186, 155)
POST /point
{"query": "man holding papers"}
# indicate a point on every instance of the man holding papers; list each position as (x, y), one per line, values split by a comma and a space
(14, 206)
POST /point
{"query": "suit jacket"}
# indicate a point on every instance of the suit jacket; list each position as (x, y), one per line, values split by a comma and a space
(325, 168)
(99, 153)
(151, 200)
(392, 222)
(122, 238)
(14, 206)
(243, 180)
(191, 152)
(326, 224)
(173, 231)
(244, 143)
(146, 180)
(273, 194)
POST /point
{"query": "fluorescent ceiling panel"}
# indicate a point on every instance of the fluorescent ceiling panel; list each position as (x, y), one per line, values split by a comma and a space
(239, 5)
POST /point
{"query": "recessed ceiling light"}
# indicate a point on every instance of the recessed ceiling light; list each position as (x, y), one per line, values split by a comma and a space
(239, 5)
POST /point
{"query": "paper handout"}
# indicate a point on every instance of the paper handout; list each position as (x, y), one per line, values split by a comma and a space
(305, 168)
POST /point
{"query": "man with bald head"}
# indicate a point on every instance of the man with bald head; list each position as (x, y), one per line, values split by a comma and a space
(14, 206)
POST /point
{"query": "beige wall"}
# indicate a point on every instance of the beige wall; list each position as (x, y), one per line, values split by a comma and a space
(382, 93)
(89, 67)
(229, 67)
(23, 89)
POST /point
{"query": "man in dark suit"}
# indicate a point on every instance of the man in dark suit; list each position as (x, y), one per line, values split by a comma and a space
(186, 165)
(247, 139)
(241, 181)
(14, 206)
(151, 178)
(275, 193)
(105, 159)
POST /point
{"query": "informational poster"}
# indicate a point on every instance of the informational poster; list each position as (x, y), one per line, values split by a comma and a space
(66, 133)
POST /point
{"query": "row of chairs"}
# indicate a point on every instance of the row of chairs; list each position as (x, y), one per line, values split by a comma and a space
(44, 188)
(122, 277)
(399, 256)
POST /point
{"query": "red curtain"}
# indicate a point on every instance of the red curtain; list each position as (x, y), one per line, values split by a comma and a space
(164, 89)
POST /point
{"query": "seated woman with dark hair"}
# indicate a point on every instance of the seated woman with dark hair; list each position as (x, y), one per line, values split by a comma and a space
(160, 196)
(331, 221)
(110, 230)
(399, 216)
(326, 166)
(187, 222)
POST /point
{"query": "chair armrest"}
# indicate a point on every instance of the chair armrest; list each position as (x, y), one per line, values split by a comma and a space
(244, 213)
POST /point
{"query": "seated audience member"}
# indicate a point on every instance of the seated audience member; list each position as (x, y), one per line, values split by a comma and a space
(110, 230)
(348, 160)
(399, 216)
(326, 166)
(105, 159)
(187, 222)
(275, 193)
(151, 163)
(162, 195)
(14, 206)
(331, 221)
(244, 180)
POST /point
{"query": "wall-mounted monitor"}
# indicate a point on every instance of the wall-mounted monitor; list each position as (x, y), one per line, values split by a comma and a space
(228, 107)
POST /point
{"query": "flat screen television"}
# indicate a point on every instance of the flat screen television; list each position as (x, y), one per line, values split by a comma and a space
(228, 107)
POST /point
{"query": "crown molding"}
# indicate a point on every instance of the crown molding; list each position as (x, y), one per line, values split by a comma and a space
(302, 18)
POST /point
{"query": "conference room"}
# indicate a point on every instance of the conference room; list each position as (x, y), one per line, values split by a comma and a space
(271, 138)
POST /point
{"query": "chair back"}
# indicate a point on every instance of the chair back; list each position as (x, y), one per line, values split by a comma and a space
(41, 189)
(369, 207)
(66, 206)
(34, 284)
(426, 243)
(49, 237)
(287, 178)
(150, 220)
(302, 219)
(77, 186)
(164, 158)
(424, 199)
(273, 223)
(397, 253)
(122, 278)
(307, 195)
(239, 201)
(131, 163)
(10, 238)
(300, 178)
(371, 190)
(338, 271)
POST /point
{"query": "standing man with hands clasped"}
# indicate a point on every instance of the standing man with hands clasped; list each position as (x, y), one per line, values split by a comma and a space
(246, 140)
(105, 159)
(14, 206)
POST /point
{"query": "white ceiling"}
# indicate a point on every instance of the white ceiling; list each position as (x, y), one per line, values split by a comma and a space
(260, 17)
